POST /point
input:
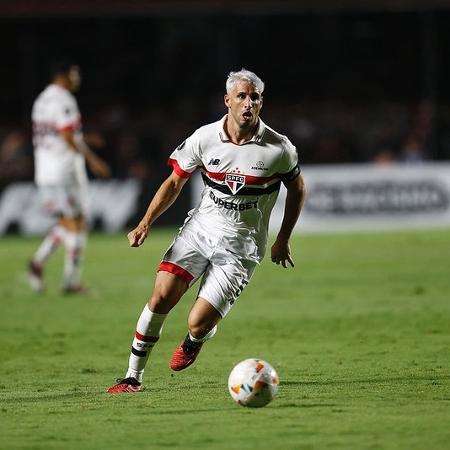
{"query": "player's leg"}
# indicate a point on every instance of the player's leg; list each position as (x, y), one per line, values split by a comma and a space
(182, 265)
(223, 282)
(202, 326)
(48, 246)
(202, 319)
(50, 199)
(168, 290)
(75, 238)
(74, 212)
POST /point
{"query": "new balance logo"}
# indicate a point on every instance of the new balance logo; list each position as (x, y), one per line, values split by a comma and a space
(214, 162)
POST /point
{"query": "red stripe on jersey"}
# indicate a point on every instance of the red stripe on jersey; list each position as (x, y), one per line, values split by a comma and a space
(177, 169)
(176, 270)
(249, 179)
(141, 337)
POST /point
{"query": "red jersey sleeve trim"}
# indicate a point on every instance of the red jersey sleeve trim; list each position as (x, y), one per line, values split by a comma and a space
(70, 126)
(67, 128)
(166, 266)
(177, 169)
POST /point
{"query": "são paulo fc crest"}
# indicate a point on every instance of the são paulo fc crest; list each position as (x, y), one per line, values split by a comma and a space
(235, 181)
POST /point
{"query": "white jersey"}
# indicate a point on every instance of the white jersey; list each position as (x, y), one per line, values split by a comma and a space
(241, 183)
(56, 163)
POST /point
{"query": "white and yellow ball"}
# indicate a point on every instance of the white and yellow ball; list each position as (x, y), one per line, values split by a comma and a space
(253, 383)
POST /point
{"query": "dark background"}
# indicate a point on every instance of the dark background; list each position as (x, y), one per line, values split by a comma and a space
(346, 81)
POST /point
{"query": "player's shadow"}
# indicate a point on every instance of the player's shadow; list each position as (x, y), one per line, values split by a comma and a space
(172, 412)
(45, 397)
(430, 378)
(306, 405)
(73, 395)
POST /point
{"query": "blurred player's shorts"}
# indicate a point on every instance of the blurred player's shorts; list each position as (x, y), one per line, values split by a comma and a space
(67, 201)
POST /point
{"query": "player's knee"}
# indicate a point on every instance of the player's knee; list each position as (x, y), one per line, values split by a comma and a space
(158, 303)
(199, 326)
(153, 301)
(163, 300)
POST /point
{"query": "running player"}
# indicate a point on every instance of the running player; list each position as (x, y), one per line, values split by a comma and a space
(60, 154)
(243, 163)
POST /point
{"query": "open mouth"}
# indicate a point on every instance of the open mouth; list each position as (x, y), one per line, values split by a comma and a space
(247, 115)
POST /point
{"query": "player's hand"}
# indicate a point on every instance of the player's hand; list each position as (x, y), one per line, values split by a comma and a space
(98, 167)
(137, 236)
(281, 253)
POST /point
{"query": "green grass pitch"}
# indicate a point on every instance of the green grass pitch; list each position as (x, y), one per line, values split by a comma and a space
(359, 332)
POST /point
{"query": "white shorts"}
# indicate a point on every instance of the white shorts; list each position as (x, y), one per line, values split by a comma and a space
(66, 201)
(194, 253)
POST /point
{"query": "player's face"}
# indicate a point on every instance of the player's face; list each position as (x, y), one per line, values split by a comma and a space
(244, 103)
(74, 76)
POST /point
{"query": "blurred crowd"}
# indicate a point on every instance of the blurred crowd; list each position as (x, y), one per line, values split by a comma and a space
(372, 88)
(335, 132)
(138, 143)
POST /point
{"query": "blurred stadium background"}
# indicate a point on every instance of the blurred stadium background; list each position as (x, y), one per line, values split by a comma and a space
(359, 331)
(358, 86)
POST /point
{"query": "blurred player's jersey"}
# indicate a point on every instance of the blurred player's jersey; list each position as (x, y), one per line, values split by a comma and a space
(56, 163)
(241, 184)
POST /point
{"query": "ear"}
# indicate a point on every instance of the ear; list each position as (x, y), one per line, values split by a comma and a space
(226, 100)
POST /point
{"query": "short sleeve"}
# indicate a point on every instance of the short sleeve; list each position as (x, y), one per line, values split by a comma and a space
(289, 168)
(67, 114)
(186, 157)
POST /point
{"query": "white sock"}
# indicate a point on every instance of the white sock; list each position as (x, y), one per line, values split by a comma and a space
(206, 337)
(148, 331)
(74, 242)
(49, 245)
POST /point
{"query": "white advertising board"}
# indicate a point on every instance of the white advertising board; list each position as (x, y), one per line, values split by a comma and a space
(339, 198)
(112, 203)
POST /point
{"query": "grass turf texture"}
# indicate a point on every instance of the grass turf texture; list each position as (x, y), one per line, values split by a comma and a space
(359, 332)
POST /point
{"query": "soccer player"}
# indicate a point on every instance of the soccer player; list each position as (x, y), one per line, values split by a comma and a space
(243, 163)
(60, 157)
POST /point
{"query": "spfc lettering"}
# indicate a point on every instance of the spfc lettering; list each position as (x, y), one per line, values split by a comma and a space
(235, 181)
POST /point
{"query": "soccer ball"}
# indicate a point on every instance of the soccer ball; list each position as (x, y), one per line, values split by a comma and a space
(253, 383)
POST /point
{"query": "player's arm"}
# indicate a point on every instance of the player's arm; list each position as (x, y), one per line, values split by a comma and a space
(97, 166)
(295, 198)
(162, 200)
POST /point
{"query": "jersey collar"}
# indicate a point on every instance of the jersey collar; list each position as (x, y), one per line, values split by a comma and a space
(257, 137)
(57, 87)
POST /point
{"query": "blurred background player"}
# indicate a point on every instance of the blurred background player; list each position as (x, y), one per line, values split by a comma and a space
(243, 163)
(60, 157)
